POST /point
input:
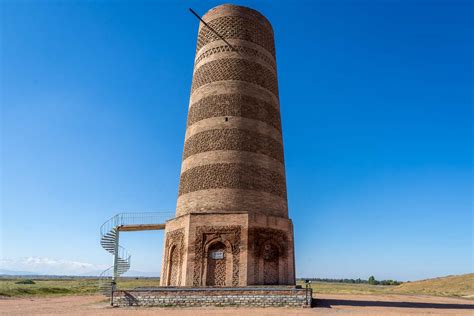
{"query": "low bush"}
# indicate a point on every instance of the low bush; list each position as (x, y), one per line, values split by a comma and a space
(26, 281)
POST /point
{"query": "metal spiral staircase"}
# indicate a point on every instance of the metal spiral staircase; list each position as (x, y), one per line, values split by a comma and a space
(109, 240)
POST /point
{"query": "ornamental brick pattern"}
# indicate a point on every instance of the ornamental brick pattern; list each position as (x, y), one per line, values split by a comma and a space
(208, 236)
(235, 69)
(232, 192)
(174, 266)
(239, 27)
(233, 139)
(216, 268)
(241, 50)
(174, 251)
(232, 175)
(241, 105)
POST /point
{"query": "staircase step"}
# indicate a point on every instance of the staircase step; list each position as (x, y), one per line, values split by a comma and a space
(111, 243)
(106, 241)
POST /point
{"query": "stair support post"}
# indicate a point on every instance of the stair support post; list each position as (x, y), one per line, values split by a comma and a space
(115, 274)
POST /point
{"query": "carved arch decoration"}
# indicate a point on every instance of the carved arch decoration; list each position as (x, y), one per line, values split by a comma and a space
(206, 236)
(174, 253)
(270, 249)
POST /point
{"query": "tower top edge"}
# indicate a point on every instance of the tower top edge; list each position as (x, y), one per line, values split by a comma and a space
(236, 10)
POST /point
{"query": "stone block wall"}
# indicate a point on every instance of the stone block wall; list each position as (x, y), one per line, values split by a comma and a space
(226, 297)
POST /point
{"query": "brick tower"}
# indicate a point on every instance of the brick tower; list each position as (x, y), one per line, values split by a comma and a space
(231, 226)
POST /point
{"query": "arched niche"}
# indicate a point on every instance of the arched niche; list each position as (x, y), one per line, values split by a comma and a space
(218, 263)
(174, 266)
(271, 263)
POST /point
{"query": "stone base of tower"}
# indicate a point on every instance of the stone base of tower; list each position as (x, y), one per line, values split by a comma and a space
(261, 296)
(228, 250)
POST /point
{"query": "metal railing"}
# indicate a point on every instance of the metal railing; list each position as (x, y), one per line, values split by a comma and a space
(144, 218)
(124, 255)
(106, 282)
(109, 235)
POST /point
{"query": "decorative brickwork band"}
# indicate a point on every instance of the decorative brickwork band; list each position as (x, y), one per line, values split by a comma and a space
(233, 176)
(237, 27)
(233, 139)
(242, 50)
(233, 156)
(235, 69)
(234, 105)
(231, 87)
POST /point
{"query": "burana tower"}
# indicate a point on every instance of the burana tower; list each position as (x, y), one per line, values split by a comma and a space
(231, 226)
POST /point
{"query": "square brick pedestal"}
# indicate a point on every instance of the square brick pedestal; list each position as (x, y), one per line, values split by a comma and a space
(228, 250)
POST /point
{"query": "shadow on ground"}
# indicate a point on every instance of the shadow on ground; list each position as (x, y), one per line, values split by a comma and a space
(329, 303)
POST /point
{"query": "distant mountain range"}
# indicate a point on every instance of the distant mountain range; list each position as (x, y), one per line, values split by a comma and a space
(11, 272)
(46, 266)
(131, 273)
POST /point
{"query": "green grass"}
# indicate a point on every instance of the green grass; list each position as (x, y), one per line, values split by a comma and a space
(71, 286)
(131, 283)
(25, 281)
(42, 287)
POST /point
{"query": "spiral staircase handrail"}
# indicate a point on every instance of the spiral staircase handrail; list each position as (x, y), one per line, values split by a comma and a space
(108, 239)
(130, 218)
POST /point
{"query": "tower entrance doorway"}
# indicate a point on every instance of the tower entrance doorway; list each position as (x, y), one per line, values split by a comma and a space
(216, 265)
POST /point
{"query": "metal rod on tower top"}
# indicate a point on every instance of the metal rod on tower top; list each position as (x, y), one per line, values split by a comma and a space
(214, 31)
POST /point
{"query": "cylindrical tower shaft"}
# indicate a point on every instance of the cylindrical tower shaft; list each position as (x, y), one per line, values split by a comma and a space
(233, 153)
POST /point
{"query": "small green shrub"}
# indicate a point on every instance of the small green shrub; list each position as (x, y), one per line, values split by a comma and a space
(26, 281)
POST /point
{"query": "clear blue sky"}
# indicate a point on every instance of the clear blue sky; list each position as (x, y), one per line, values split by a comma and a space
(377, 120)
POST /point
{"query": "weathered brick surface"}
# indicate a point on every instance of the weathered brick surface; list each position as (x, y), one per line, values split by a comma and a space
(234, 122)
(235, 69)
(233, 139)
(241, 27)
(232, 175)
(238, 87)
(214, 297)
(234, 105)
(233, 156)
(250, 53)
(232, 204)
(236, 10)
(227, 200)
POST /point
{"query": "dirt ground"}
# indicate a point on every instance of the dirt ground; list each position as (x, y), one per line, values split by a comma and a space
(325, 305)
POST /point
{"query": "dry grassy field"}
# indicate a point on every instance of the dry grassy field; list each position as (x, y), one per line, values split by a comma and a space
(78, 296)
(9, 287)
(452, 286)
(457, 285)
